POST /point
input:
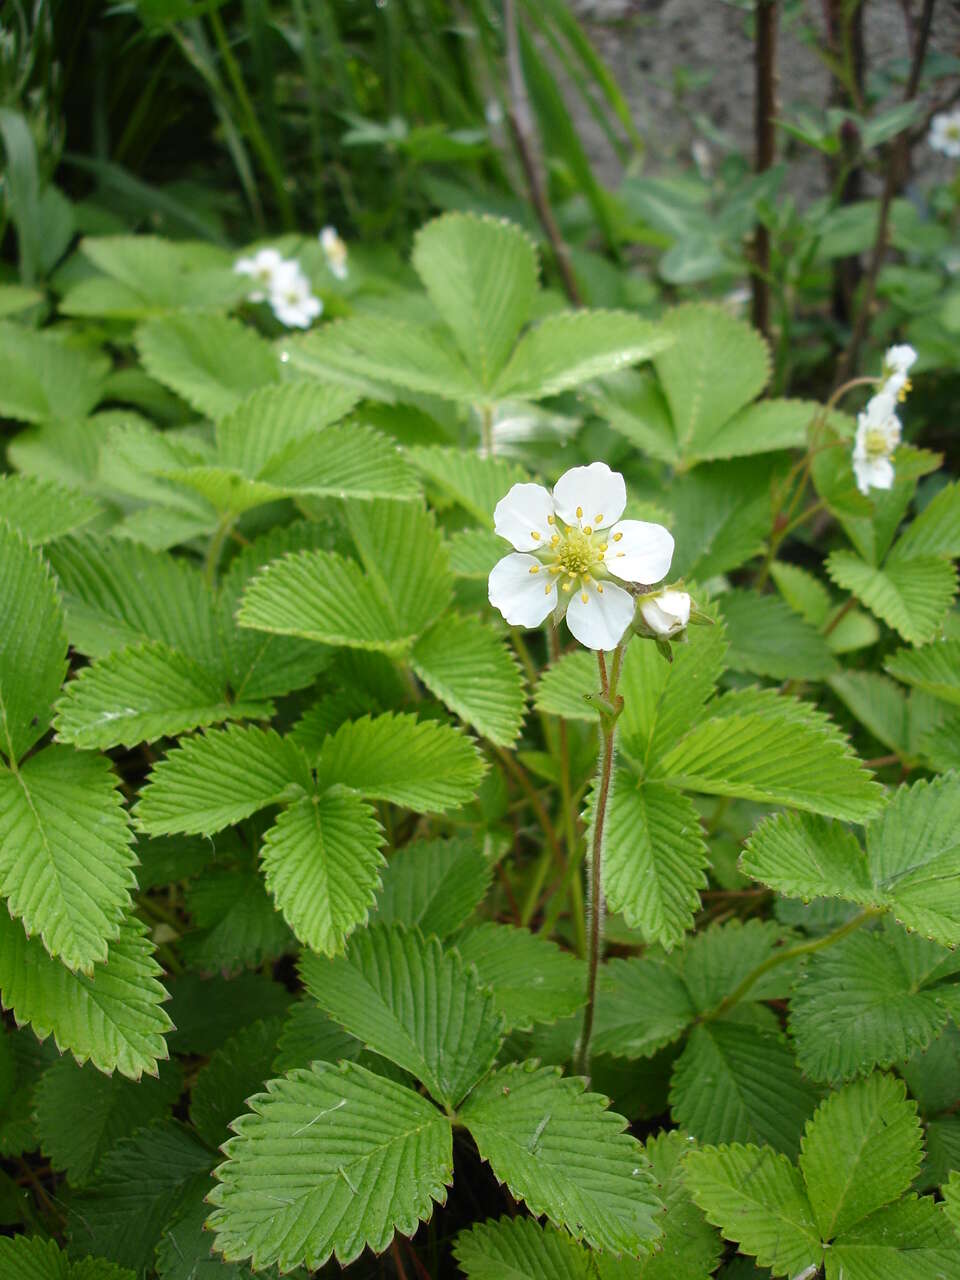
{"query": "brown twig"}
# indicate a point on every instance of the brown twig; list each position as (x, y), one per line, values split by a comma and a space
(896, 162)
(765, 135)
(524, 136)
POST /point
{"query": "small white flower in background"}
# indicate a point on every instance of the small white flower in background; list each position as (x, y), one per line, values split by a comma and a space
(668, 613)
(335, 251)
(292, 299)
(896, 367)
(262, 268)
(944, 133)
(573, 544)
(878, 434)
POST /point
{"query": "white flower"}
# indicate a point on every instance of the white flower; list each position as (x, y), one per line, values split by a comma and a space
(896, 367)
(263, 269)
(335, 251)
(291, 298)
(572, 541)
(667, 613)
(878, 434)
(944, 133)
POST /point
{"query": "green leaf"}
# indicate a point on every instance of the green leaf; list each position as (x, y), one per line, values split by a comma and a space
(935, 531)
(420, 764)
(413, 1002)
(532, 980)
(935, 669)
(756, 1091)
(633, 403)
(219, 778)
(715, 367)
(643, 1004)
(914, 1234)
(211, 361)
(144, 693)
(207, 1011)
(561, 1151)
(310, 1035)
(722, 517)
(804, 593)
(807, 857)
(113, 1019)
(24, 1060)
(716, 960)
(297, 1187)
(474, 552)
(569, 348)
(43, 377)
(65, 857)
(655, 858)
(185, 1249)
(911, 596)
(882, 707)
(776, 751)
(757, 1199)
(466, 665)
(759, 428)
(237, 925)
(82, 1114)
(520, 1249)
(562, 689)
(481, 275)
(435, 884)
(768, 639)
(861, 1150)
(474, 483)
(275, 418)
(32, 1258)
(33, 647)
(321, 862)
(162, 275)
(238, 1069)
(140, 1184)
(42, 510)
(863, 1003)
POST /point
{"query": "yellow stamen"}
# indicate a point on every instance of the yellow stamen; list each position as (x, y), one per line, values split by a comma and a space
(587, 579)
(584, 597)
(587, 529)
(534, 535)
(600, 588)
(598, 519)
(548, 588)
(534, 568)
(621, 554)
(602, 547)
(907, 386)
(617, 537)
(579, 513)
(551, 519)
(555, 540)
(556, 568)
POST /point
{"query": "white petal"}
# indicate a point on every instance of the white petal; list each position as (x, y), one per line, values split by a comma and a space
(521, 517)
(599, 493)
(524, 598)
(667, 613)
(601, 622)
(875, 473)
(642, 554)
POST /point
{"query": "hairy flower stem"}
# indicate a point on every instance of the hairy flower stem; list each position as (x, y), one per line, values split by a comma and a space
(787, 954)
(597, 908)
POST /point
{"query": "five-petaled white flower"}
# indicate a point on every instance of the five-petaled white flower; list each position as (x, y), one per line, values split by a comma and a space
(572, 543)
(945, 133)
(896, 368)
(335, 251)
(668, 613)
(292, 299)
(262, 269)
(878, 434)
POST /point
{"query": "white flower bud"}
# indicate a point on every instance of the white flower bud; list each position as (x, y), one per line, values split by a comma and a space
(667, 613)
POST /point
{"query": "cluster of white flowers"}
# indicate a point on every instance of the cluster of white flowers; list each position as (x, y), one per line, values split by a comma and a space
(572, 544)
(335, 251)
(945, 133)
(878, 427)
(282, 283)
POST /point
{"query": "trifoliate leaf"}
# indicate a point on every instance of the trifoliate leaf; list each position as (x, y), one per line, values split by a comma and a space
(219, 778)
(321, 861)
(113, 1019)
(474, 483)
(634, 404)
(211, 361)
(716, 960)
(275, 417)
(655, 858)
(861, 1150)
(569, 348)
(804, 856)
(768, 639)
(237, 925)
(466, 665)
(82, 1114)
(561, 1151)
(532, 980)
(642, 1005)
(911, 596)
(65, 857)
(33, 646)
(238, 1069)
(434, 884)
(42, 510)
(756, 1091)
(43, 377)
(911, 1237)
(481, 275)
(864, 1003)
(521, 1249)
(141, 694)
(761, 428)
(413, 1002)
(776, 751)
(757, 1199)
(164, 275)
(139, 1186)
(935, 669)
(329, 1160)
(31, 1258)
(420, 764)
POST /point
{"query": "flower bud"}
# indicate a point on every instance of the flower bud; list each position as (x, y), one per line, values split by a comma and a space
(667, 613)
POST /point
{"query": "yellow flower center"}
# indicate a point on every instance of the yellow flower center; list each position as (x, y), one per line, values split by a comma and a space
(876, 443)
